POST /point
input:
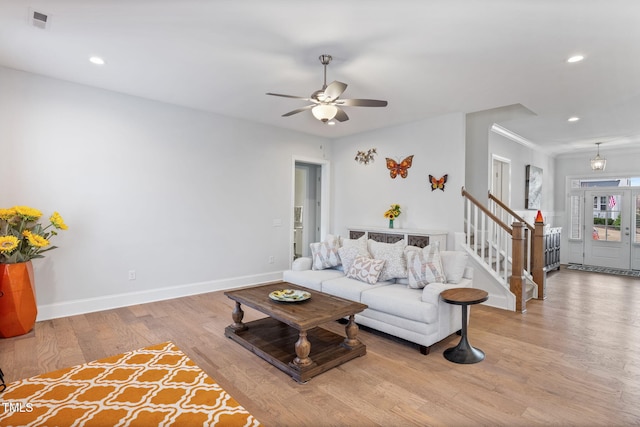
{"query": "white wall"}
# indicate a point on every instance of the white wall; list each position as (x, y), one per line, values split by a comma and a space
(521, 156)
(361, 194)
(185, 198)
(477, 146)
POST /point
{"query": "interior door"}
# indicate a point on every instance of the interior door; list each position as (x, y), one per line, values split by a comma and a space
(607, 240)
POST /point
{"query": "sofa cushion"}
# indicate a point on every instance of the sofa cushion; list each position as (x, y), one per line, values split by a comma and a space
(325, 254)
(311, 279)
(395, 265)
(453, 264)
(366, 269)
(424, 267)
(401, 301)
(350, 289)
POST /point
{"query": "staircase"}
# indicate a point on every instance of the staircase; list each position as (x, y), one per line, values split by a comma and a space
(498, 261)
(507, 251)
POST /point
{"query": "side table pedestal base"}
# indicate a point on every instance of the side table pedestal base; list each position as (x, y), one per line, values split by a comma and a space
(464, 353)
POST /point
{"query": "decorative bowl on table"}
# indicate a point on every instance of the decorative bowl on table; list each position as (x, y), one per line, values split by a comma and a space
(289, 295)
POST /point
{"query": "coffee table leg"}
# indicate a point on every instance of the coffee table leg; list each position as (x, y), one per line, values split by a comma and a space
(303, 348)
(237, 314)
(351, 330)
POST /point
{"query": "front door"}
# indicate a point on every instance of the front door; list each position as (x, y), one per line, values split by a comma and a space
(608, 239)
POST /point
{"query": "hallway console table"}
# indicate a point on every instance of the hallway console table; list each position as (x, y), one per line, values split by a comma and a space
(412, 237)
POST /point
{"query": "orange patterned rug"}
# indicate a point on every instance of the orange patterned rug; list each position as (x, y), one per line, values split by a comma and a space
(153, 386)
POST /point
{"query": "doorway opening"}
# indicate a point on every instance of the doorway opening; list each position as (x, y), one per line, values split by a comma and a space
(501, 179)
(310, 215)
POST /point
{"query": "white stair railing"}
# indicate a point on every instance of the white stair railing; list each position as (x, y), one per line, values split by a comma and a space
(490, 239)
(498, 246)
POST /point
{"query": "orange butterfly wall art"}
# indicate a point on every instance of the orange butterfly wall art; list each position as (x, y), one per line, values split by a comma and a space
(438, 183)
(400, 168)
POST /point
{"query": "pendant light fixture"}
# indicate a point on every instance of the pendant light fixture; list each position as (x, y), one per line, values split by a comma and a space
(598, 163)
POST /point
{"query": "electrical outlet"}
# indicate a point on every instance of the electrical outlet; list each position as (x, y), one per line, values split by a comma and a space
(132, 275)
(271, 259)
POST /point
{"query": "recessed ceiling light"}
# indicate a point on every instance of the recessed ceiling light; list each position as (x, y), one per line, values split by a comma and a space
(573, 119)
(96, 60)
(576, 58)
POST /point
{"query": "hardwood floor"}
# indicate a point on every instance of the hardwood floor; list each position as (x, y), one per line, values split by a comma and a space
(573, 359)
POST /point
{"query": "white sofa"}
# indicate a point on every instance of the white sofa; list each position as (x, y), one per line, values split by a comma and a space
(396, 306)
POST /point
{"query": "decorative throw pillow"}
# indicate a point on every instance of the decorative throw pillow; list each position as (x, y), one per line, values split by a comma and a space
(360, 243)
(454, 263)
(349, 254)
(395, 266)
(366, 269)
(325, 254)
(425, 267)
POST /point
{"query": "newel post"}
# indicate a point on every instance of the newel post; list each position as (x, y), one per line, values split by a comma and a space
(517, 281)
(538, 261)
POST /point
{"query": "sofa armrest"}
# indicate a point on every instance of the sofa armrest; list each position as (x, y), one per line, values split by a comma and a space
(431, 292)
(468, 273)
(301, 264)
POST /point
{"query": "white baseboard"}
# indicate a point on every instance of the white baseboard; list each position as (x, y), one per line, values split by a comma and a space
(107, 302)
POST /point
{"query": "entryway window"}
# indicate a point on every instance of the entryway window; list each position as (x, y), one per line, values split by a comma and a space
(606, 218)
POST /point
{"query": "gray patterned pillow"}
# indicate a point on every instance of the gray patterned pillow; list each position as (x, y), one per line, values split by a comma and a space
(395, 266)
(425, 267)
(349, 254)
(366, 269)
(360, 243)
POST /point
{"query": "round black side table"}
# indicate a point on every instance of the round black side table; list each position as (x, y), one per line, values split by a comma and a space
(463, 352)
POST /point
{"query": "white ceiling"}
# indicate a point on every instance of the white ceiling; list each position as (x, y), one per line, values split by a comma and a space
(425, 57)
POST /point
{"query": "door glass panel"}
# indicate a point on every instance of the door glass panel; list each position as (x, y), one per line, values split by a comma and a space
(606, 218)
(576, 218)
(637, 219)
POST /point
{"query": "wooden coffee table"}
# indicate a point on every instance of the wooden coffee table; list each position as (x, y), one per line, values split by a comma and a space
(290, 338)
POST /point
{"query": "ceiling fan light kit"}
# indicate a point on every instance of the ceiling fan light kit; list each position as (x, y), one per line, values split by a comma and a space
(326, 103)
(324, 112)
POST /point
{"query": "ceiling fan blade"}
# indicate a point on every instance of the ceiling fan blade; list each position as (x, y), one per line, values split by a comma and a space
(299, 110)
(289, 96)
(341, 116)
(361, 102)
(334, 90)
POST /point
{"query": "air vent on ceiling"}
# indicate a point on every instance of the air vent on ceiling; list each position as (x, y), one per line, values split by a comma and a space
(39, 20)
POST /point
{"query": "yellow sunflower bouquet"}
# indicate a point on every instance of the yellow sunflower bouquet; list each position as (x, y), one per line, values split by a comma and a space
(22, 237)
(393, 213)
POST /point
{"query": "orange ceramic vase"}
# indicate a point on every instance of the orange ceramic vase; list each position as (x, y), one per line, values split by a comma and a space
(18, 309)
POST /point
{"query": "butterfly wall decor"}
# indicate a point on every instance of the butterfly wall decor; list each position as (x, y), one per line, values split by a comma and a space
(400, 168)
(366, 157)
(438, 183)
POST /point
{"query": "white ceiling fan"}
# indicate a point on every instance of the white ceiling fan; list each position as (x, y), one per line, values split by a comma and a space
(326, 103)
